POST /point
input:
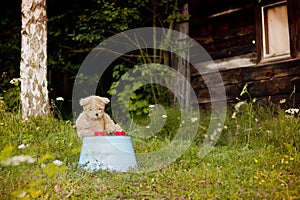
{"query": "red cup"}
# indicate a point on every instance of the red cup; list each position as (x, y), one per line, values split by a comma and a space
(120, 133)
(101, 133)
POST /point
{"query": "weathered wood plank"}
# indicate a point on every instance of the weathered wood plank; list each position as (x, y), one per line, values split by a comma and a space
(225, 36)
(254, 73)
(257, 89)
(208, 27)
(265, 81)
(231, 46)
(212, 7)
(235, 50)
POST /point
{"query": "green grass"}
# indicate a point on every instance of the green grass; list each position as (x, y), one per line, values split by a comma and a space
(257, 162)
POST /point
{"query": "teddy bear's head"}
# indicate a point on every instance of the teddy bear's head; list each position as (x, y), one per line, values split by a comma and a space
(93, 106)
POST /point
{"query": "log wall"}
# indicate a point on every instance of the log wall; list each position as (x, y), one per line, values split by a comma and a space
(272, 82)
(224, 28)
(232, 29)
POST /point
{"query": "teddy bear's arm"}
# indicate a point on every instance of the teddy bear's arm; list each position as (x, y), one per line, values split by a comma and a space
(109, 125)
(83, 126)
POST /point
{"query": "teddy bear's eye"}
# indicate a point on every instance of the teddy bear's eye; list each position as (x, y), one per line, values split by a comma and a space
(90, 109)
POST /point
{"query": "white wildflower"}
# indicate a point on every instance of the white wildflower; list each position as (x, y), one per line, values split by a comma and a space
(164, 116)
(22, 194)
(292, 111)
(233, 115)
(151, 106)
(16, 160)
(282, 101)
(59, 99)
(194, 119)
(269, 131)
(15, 81)
(23, 146)
(147, 126)
(238, 105)
(215, 133)
(57, 162)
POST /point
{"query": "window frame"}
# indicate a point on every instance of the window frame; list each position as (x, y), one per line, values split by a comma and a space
(293, 7)
(265, 33)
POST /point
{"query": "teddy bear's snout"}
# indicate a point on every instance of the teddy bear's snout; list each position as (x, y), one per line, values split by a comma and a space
(98, 114)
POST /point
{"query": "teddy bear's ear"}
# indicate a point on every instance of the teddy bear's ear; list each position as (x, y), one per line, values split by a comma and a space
(84, 101)
(104, 100)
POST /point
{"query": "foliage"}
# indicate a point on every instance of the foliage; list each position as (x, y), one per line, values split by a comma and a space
(88, 24)
(10, 44)
(99, 20)
(164, 14)
(75, 27)
(268, 168)
(135, 95)
(9, 93)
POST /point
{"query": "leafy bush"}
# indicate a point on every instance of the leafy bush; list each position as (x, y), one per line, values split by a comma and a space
(138, 89)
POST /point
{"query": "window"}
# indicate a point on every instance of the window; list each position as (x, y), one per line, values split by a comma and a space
(275, 31)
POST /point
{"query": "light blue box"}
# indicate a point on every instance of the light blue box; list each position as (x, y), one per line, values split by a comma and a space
(112, 153)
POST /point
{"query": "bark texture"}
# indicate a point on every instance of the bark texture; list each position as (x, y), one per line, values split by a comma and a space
(33, 66)
(182, 63)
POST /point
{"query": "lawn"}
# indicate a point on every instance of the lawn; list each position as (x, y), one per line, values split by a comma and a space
(256, 157)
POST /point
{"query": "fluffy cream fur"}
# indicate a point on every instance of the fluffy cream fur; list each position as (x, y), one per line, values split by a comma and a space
(94, 119)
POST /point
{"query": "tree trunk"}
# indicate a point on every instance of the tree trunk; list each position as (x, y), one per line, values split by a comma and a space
(33, 66)
(181, 64)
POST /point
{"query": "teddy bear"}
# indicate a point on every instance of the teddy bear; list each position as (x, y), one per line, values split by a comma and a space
(94, 119)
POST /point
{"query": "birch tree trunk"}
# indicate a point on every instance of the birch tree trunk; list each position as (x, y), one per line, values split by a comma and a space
(33, 66)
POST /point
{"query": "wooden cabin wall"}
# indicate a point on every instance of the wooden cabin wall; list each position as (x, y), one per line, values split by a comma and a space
(268, 83)
(224, 28)
(227, 29)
